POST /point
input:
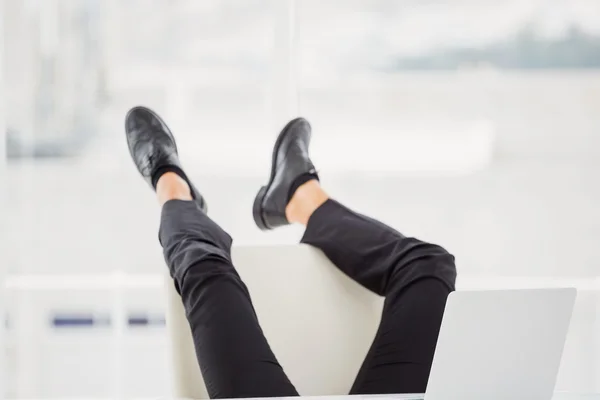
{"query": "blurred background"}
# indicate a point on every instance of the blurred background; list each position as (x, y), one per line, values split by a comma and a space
(473, 124)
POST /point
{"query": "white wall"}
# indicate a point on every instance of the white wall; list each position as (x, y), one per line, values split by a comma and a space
(2, 208)
(529, 211)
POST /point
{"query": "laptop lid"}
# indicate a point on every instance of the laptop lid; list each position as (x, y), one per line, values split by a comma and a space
(500, 344)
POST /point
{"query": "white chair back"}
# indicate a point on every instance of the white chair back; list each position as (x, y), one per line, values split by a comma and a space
(318, 321)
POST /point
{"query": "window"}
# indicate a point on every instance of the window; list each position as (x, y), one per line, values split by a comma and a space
(470, 125)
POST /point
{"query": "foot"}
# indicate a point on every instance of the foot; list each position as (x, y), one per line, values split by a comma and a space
(290, 162)
(153, 149)
(306, 200)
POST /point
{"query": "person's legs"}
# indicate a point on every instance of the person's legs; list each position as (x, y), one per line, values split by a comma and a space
(415, 277)
(234, 356)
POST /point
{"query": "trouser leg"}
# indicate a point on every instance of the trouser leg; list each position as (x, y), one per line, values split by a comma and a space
(234, 356)
(414, 276)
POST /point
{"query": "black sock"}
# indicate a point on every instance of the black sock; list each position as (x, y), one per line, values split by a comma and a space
(168, 168)
(301, 180)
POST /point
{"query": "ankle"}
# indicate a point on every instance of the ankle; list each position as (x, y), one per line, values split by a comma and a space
(307, 198)
(171, 186)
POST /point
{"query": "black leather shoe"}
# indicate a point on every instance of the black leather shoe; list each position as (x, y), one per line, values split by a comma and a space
(290, 160)
(152, 146)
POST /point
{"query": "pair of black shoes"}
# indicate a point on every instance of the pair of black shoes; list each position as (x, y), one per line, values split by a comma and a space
(154, 152)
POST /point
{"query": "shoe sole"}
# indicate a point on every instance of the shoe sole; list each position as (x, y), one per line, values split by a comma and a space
(258, 200)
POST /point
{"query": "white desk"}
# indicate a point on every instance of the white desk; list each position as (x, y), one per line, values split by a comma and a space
(557, 396)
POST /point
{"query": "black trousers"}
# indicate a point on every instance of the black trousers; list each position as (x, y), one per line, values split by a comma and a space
(234, 356)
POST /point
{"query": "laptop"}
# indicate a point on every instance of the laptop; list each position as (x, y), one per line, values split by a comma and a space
(495, 345)
(500, 344)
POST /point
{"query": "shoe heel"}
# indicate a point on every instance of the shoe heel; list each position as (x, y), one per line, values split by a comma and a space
(256, 209)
